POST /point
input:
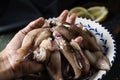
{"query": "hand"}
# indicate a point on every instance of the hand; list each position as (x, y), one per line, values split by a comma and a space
(9, 68)
(71, 20)
(9, 55)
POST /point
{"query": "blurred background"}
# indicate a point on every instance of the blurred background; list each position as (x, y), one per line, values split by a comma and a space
(16, 14)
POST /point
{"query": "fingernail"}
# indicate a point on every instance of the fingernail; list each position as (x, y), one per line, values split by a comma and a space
(63, 15)
(40, 21)
(80, 26)
(79, 39)
(72, 18)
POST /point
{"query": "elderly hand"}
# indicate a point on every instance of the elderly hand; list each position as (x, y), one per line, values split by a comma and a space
(9, 68)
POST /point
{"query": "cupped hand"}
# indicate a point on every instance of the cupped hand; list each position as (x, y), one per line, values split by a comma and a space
(9, 54)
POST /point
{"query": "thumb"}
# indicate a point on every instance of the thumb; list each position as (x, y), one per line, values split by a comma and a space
(15, 43)
(32, 25)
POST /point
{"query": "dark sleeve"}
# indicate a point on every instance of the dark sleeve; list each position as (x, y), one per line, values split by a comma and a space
(16, 14)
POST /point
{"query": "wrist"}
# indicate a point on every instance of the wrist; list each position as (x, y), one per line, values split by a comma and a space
(6, 72)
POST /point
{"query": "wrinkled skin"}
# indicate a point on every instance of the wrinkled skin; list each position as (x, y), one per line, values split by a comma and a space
(11, 69)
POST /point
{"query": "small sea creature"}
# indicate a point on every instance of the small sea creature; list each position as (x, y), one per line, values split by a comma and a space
(54, 46)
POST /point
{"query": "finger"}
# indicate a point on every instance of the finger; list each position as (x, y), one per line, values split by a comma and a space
(80, 26)
(63, 16)
(16, 41)
(79, 39)
(71, 19)
(34, 24)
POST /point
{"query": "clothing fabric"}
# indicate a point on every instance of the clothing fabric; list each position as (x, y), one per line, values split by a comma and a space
(16, 14)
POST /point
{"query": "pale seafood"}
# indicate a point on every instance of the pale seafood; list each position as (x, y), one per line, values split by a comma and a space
(54, 46)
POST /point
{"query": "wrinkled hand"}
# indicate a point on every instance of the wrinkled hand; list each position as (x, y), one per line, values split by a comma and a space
(9, 68)
(9, 55)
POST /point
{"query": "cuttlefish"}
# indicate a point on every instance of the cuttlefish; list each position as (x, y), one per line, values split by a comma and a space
(55, 47)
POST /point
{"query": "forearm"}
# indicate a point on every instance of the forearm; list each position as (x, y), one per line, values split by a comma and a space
(6, 72)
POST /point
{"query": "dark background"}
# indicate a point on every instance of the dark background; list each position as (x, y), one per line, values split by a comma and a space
(16, 14)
